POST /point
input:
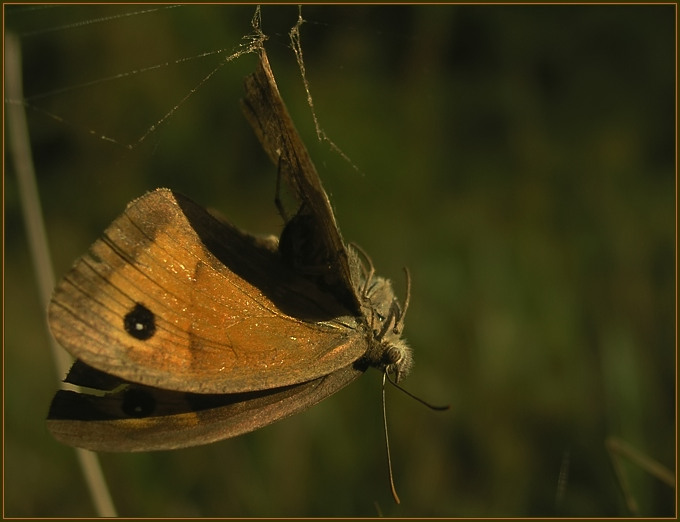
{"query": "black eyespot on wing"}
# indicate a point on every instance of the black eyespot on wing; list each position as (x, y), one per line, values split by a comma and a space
(140, 322)
(138, 403)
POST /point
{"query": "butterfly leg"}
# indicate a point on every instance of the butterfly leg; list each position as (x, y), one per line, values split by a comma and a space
(277, 197)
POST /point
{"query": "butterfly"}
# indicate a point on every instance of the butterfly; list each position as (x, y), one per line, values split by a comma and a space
(187, 330)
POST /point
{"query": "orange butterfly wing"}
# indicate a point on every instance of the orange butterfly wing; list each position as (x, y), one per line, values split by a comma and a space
(171, 297)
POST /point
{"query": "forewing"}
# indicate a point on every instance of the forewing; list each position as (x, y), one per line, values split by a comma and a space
(225, 315)
(140, 418)
(314, 223)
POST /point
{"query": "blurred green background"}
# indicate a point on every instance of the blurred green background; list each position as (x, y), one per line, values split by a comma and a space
(518, 159)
